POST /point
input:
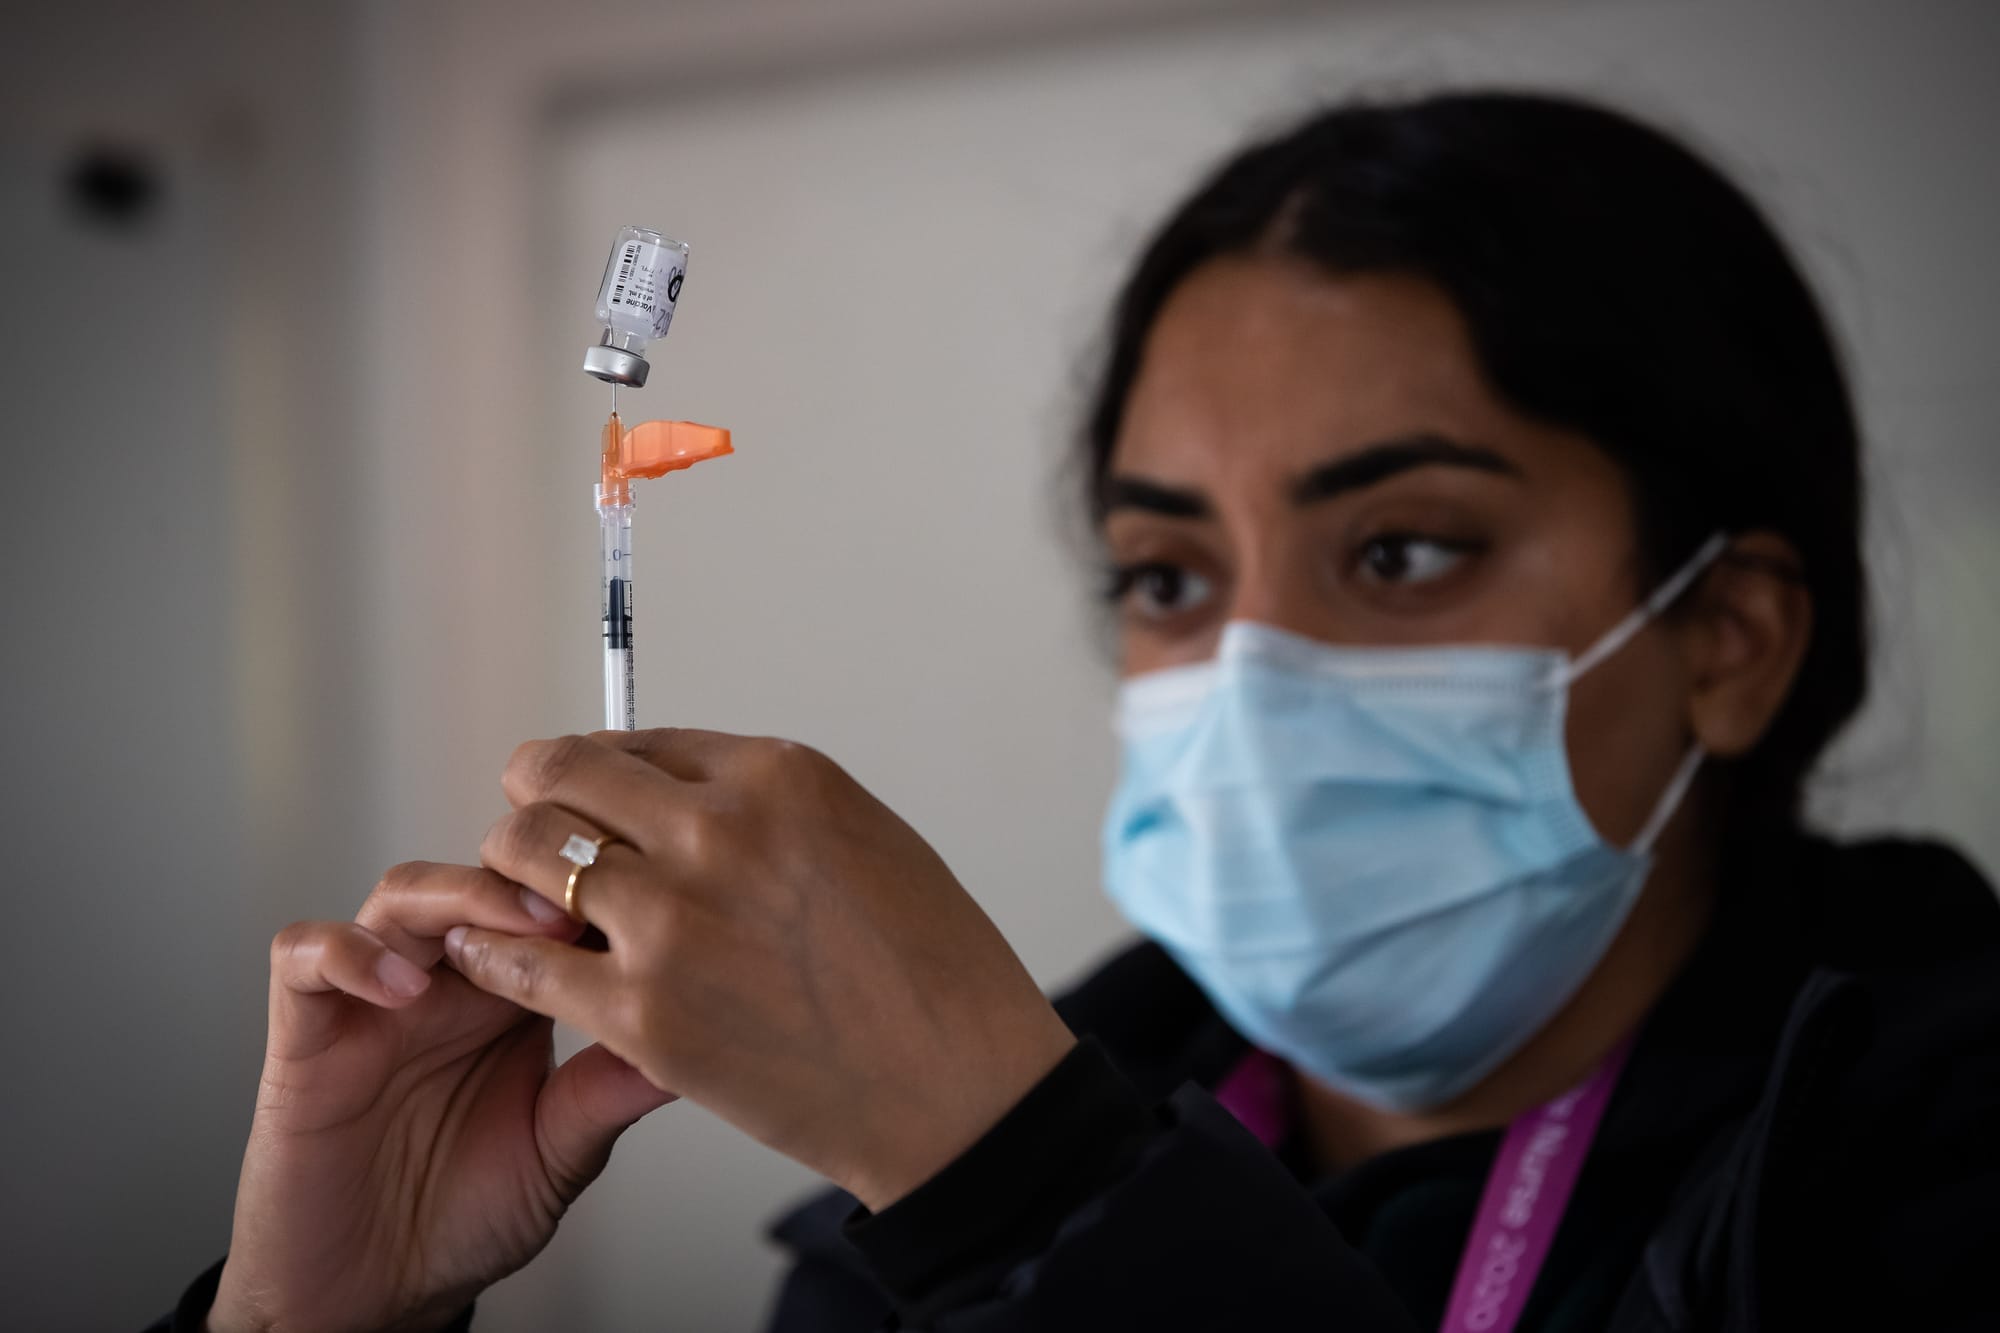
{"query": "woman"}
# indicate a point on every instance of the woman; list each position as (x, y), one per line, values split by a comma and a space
(1480, 488)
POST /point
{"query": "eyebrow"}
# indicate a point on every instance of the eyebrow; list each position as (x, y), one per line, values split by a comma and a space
(1379, 462)
(1363, 468)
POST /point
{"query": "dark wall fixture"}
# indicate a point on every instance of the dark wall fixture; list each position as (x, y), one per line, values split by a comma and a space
(114, 185)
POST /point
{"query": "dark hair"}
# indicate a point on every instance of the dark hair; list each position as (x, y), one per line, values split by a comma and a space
(1613, 284)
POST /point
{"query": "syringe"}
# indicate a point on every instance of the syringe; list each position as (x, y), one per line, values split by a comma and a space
(614, 519)
(635, 304)
(649, 449)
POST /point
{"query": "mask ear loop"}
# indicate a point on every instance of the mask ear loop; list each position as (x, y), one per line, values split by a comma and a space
(1621, 634)
(1663, 597)
(1670, 800)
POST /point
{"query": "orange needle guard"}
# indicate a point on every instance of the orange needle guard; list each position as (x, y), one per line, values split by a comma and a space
(653, 449)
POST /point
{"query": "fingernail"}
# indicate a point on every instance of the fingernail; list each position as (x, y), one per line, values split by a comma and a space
(401, 977)
(454, 940)
(539, 907)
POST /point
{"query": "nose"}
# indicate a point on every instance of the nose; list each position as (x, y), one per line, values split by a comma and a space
(1276, 586)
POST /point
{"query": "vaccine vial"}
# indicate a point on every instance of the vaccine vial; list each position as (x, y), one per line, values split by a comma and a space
(635, 303)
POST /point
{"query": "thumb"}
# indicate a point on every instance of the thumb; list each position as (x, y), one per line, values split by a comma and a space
(589, 1100)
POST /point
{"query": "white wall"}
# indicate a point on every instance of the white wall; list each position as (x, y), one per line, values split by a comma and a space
(179, 770)
(906, 218)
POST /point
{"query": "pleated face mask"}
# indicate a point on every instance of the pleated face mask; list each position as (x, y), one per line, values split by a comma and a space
(1373, 860)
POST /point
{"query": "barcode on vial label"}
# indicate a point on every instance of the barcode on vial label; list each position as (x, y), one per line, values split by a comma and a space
(625, 272)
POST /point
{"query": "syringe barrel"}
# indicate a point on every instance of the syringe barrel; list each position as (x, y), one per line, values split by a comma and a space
(621, 711)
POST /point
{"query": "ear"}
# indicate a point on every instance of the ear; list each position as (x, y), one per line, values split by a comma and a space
(1744, 634)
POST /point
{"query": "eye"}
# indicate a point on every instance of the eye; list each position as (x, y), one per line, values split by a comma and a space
(1405, 558)
(1157, 590)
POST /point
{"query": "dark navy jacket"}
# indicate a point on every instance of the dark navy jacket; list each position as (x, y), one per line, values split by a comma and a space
(1807, 1136)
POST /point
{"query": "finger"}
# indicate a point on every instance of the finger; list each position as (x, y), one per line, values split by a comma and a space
(616, 791)
(698, 757)
(526, 844)
(687, 753)
(417, 902)
(586, 1104)
(555, 980)
(316, 963)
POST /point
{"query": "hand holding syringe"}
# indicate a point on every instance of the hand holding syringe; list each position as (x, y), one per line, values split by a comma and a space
(635, 303)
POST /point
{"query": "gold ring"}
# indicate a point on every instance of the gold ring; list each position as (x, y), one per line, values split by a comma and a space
(581, 853)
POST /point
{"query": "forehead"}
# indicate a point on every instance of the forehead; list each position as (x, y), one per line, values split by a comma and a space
(1289, 366)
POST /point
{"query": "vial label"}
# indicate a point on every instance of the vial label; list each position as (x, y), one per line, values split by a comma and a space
(645, 284)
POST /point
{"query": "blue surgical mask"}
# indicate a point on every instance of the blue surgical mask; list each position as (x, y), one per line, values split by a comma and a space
(1372, 859)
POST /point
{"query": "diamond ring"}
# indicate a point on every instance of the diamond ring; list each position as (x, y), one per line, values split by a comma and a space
(581, 853)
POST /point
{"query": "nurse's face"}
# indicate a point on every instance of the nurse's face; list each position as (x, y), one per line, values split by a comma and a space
(1324, 455)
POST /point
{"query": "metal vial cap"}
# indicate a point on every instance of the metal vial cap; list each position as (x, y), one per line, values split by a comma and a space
(615, 365)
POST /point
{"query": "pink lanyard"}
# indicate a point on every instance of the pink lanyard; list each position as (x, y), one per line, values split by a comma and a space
(1526, 1193)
